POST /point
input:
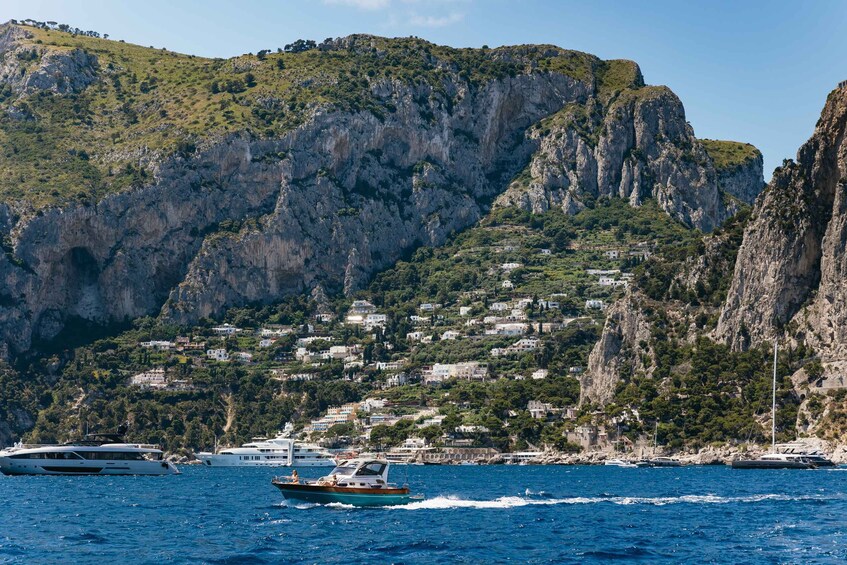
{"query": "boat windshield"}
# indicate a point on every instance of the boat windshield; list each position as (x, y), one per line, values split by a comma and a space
(371, 469)
(344, 469)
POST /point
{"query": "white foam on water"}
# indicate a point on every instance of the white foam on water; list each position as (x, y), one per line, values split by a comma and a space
(339, 505)
(450, 502)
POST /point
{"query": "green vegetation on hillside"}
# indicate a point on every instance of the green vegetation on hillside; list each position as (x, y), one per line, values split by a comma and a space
(89, 386)
(146, 104)
(728, 155)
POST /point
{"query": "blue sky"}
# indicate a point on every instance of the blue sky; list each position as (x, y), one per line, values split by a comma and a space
(747, 70)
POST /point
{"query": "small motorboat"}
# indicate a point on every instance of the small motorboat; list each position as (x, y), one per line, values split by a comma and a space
(659, 462)
(358, 482)
(619, 463)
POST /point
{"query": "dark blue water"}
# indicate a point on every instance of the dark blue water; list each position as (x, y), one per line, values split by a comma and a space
(471, 515)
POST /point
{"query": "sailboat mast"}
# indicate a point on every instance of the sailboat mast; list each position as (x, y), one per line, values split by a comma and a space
(773, 403)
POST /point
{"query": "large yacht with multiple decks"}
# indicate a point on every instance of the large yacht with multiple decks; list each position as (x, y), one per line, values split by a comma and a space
(279, 451)
(97, 454)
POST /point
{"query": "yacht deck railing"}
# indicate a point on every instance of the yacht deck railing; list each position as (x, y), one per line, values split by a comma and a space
(21, 445)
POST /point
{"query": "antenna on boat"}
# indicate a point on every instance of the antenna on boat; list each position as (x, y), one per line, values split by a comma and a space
(773, 401)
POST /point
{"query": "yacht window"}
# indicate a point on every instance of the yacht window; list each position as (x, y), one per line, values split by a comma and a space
(112, 455)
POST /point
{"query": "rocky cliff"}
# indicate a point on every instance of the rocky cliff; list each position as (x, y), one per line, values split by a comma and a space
(789, 277)
(634, 145)
(184, 186)
(622, 349)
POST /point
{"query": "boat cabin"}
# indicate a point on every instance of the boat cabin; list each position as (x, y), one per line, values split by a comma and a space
(371, 473)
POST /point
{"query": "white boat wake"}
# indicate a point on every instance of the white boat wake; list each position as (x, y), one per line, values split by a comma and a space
(449, 502)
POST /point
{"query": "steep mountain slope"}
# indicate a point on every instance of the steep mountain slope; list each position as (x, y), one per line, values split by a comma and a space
(700, 326)
(789, 278)
(138, 180)
(635, 145)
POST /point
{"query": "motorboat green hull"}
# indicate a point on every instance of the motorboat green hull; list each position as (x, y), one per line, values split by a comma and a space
(354, 497)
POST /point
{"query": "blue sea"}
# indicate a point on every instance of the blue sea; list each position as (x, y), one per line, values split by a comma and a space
(471, 514)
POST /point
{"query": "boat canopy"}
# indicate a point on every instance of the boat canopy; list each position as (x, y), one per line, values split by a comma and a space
(361, 468)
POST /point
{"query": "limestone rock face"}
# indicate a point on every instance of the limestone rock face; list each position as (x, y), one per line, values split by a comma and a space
(791, 267)
(246, 220)
(636, 146)
(744, 181)
(617, 351)
(320, 208)
(33, 69)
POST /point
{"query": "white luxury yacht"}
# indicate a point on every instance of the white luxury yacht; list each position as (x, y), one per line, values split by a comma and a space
(97, 454)
(280, 451)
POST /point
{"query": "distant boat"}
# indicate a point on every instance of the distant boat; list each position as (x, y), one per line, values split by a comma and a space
(784, 461)
(410, 453)
(659, 462)
(619, 463)
(359, 482)
(774, 460)
(97, 454)
(280, 451)
(521, 457)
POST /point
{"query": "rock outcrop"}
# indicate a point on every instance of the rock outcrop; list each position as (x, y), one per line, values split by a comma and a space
(791, 267)
(743, 181)
(31, 69)
(618, 351)
(636, 146)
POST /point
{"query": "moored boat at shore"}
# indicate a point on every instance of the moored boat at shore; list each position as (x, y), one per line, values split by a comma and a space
(659, 462)
(619, 463)
(789, 459)
(784, 461)
(279, 451)
(97, 454)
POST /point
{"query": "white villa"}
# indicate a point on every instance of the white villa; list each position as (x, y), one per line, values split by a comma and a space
(243, 356)
(154, 378)
(540, 374)
(275, 331)
(440, 372)
(217, 354)
(507, 329)
(157, 345)
(450, 334)
(362, 307)
(226, 330)
(414, 336)
(520, 346)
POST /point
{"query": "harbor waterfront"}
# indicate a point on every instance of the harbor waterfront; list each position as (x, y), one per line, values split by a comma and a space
(531, 514)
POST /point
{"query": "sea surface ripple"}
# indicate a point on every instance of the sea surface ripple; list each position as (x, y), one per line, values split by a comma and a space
(470, 514)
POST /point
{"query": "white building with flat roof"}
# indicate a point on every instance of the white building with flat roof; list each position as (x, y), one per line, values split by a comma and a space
(158, 345)
(226, 330)
(154, 378)
(217, 355)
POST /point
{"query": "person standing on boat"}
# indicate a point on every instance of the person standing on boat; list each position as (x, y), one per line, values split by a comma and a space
(295, 478)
